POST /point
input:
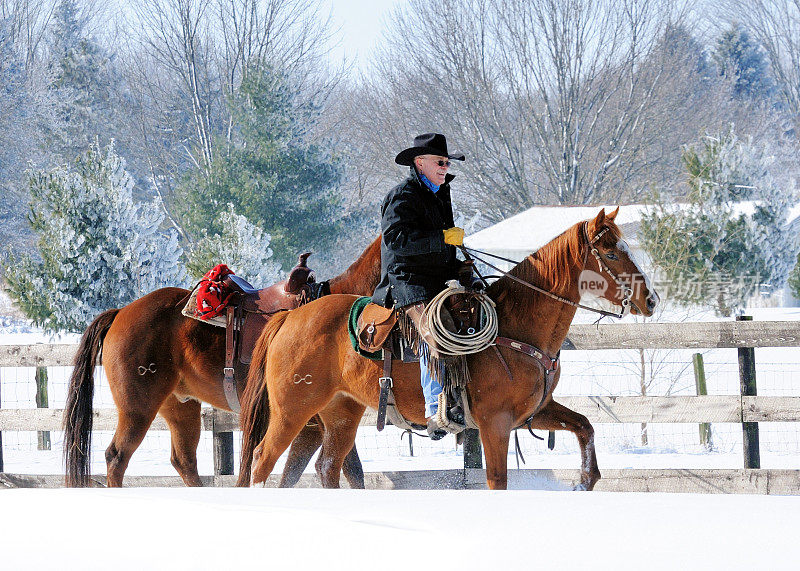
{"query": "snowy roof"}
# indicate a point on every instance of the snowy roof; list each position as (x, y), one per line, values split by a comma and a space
(533, 228)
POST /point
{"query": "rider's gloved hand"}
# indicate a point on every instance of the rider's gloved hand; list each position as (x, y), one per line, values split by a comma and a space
(467, 277)
(454, 236)
(465, 273)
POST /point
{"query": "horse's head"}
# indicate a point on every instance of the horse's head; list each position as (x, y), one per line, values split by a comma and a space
(611, 271)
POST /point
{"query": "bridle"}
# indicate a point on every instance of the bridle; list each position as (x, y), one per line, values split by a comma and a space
(591, 247)
(626, 290)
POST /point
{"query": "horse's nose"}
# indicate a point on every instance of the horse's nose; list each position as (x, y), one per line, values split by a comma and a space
(652, 301)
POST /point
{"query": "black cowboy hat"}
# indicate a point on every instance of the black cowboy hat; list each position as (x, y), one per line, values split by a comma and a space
(427, 144)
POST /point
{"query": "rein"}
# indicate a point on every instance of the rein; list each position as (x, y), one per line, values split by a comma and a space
(628, 292)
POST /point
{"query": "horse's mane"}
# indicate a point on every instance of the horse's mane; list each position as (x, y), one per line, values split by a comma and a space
(363, 275)
(550, 266)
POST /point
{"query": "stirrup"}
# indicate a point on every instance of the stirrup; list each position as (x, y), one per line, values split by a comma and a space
(435, 432)
(444, 419)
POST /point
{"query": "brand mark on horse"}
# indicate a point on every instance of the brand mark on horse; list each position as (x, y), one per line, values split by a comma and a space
(144, 370)
(298, 379)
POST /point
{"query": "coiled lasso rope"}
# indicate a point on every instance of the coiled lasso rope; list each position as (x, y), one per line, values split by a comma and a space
(450, 343)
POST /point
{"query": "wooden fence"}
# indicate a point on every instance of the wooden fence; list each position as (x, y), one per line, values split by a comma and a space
(747, 408)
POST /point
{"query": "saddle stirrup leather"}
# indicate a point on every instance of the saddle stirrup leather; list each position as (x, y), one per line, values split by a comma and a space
(385, 383)
(229, 380)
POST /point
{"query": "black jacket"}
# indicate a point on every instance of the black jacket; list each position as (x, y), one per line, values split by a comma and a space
(415, 261)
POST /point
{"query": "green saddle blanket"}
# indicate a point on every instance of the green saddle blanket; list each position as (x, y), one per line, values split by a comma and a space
(352, 324)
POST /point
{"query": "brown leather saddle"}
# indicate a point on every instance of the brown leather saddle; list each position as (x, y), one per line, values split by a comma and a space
(248, 313)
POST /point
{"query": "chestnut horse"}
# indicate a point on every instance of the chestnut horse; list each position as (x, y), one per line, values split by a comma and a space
(183, 361)
(312, 341)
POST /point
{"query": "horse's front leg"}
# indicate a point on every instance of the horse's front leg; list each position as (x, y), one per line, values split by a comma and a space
(555, 416)
(495, 433)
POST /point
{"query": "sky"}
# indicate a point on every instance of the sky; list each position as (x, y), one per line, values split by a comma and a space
(361, 22)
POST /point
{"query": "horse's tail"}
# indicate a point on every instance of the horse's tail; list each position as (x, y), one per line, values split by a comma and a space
(254, 418)
(78, 410)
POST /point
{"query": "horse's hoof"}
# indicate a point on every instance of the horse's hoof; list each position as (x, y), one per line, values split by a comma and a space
(581, 488)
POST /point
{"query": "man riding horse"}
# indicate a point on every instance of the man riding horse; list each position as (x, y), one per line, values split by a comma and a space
(418, 250)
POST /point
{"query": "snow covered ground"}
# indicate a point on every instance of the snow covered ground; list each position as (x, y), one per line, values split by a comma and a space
(196, 529)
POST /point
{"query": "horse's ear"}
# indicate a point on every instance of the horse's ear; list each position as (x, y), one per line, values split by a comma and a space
(612, 215)
(599, 219)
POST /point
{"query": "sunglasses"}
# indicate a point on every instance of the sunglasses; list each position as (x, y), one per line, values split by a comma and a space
(441, 163)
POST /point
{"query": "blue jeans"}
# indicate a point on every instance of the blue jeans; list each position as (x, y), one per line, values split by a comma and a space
(430, 388)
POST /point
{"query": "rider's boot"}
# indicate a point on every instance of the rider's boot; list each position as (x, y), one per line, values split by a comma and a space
(448, 419)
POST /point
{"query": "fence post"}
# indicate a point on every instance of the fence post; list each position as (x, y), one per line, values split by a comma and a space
(700, 385)
(473, 453)
(223, 449)
(42, 436)
(747, 386)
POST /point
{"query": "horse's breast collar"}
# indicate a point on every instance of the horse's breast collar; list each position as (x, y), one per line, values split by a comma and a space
(549, 363)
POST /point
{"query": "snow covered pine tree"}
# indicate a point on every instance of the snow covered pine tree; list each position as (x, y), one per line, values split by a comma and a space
(97, 248)
(728, 238)
(242, 246)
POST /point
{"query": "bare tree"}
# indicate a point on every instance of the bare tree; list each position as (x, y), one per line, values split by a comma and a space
(546, 97)
(286, 33)
(438, 71)
(176, 36)
(27, 25)
(573, 68)
(206, 46)
(690, 99)
(290, 35)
